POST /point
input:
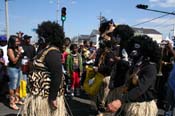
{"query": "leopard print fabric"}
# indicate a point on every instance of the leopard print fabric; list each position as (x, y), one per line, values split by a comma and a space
(39, 78)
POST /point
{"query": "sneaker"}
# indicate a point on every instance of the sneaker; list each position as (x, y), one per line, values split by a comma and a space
(168, 113)
(105, 114)
(77, 91)
(77, 94)
(72, 92)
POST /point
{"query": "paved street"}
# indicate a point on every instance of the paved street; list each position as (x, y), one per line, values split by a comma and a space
(4, 109)
(80, 106)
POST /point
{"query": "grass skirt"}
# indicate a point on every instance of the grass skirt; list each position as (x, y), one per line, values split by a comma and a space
(38, 106)
(141, 109)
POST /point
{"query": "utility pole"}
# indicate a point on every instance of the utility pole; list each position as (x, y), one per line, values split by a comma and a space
(57, 11)
(174, 30)
(7, 18)
(100, 18)
(0, 23)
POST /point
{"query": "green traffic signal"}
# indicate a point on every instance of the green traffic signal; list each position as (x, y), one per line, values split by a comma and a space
(63, 18)
(63, 14)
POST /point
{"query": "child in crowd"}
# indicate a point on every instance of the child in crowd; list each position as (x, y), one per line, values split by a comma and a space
(74, 68)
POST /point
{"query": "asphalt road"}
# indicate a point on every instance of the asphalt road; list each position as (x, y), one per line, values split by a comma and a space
(79, 106)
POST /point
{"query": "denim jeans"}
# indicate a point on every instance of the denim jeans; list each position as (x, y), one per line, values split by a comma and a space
(14, 77)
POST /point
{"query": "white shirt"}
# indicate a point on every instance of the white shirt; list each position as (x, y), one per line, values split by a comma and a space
(4, 48)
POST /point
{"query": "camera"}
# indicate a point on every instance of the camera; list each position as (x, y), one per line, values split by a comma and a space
(163, 44)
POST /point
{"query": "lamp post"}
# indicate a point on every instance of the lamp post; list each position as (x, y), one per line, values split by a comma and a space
(145, 7)
(7, 18)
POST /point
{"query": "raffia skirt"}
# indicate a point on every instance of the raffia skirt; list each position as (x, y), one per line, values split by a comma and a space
(39, 106)
(141, 109)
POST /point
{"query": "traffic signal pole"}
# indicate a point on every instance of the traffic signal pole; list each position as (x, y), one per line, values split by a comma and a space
(145, 7)
(63, 16)
(63, 25)
(172, 13)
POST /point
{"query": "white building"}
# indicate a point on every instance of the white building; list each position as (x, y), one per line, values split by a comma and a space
(157, 36)
(94, 37)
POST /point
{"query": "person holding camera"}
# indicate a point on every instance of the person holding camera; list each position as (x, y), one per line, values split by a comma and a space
(167, 98)
(166, 65)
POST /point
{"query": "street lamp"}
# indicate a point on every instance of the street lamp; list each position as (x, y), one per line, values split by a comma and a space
(145, 7)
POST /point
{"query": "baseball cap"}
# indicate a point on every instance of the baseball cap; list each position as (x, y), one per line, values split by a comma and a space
(27, 37)
(3, 38)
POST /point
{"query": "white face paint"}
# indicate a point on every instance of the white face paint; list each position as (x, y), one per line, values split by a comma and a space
(137, 46)
(133, 53)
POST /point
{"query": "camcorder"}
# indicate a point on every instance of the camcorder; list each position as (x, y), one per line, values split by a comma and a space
(164, 44)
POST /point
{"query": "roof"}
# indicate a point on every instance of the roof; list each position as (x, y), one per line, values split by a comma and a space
(145, 31)
(94, 32)
(84, 37)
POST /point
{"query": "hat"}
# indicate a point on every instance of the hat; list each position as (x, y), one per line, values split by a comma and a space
(27, 37)
(3, 38)
(19, 33)
(103, 19)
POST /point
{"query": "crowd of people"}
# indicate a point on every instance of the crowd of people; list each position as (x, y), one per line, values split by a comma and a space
(12, 53)
(130, 67)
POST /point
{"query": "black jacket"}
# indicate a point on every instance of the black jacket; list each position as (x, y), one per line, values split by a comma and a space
(145, 90)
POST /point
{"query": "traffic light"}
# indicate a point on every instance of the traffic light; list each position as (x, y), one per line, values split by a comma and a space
(63, 14)
(142, 6)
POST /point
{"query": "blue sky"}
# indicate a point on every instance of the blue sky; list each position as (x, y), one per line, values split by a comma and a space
(82, 15)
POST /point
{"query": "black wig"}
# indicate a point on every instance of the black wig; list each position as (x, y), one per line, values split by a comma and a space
(148, 48)
(121, 35)
(12, 41)
(51, 32)
(124, 31)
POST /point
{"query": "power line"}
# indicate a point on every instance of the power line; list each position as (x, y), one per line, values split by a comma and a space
(150, 20)
(160, 25)
(165, 26)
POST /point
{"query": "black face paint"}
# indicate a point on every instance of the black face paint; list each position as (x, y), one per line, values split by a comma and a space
(135, 53)
(116, 39)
